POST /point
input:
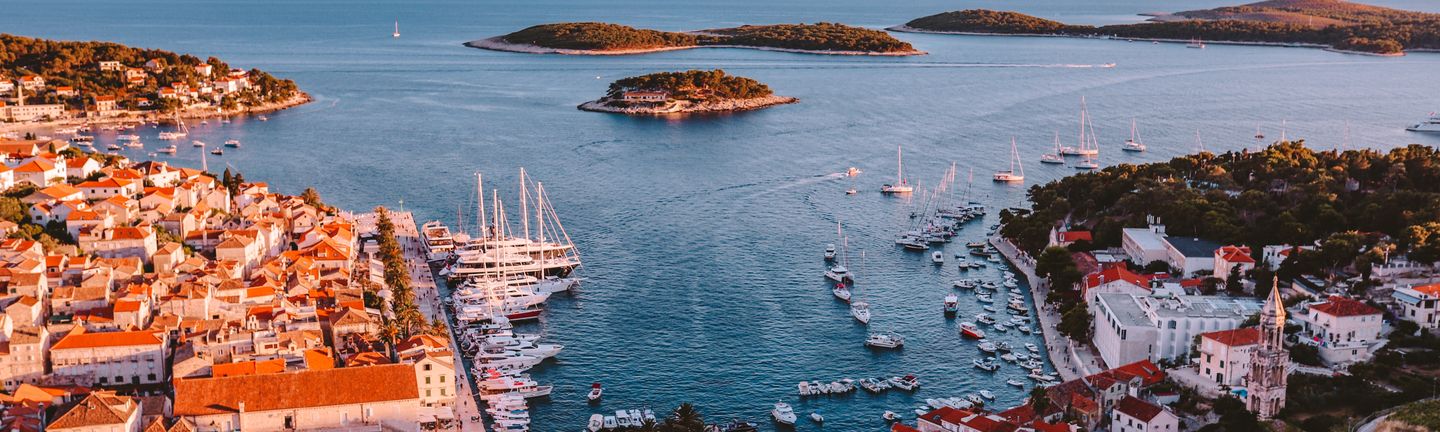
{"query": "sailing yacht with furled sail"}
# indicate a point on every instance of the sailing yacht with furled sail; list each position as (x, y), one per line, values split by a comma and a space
(397, 30)
(1016, 173)
(494, 251)
(900, 186)
(1089, 145)
(1133, 144)
(1053, 158)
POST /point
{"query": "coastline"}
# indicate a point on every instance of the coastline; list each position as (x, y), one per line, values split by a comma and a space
(907, 29)
(498, 43)
(685, 107)
(300, 98)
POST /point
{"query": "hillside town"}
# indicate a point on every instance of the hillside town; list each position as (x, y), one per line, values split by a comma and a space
(144, 296)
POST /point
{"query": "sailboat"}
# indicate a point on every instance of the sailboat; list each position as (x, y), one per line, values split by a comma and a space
(1133, 144)
(397, 30)
(860, 309)
(1012, 174)
(838, 272)
(1089, 145)
(900, 186)
(1258, 135)
(1053, 158)
(1195, 43)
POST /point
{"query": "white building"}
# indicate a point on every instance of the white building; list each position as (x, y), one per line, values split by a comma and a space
(1225, 355)
(1190, 255)
(114, 358)
(1144, 245)
(1130, 328)
(100, 411)
(1274, 255)
(1344, 329)
(23, 354)
(383, 397)
(1418, 304)
(1132, 414)
(1232, 258)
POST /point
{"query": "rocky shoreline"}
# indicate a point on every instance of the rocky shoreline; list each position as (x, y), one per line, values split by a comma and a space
(908, 29)
(687, 107)
(498, 43)
(300, 98)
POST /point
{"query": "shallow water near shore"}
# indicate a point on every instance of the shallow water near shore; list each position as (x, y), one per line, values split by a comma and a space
(702, 237)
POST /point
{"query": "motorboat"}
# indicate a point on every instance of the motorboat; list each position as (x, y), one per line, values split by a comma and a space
(783, 414)
(1087, 164)
(622, 418)
(969, 330)
(197, 143)
(1032, 348)
(636, 417)
(839, 273)
(937, 257)
(1015, 382)
(595, 392)
(232, 143)
(965, 284)
(1431, 124)
(987, 347)
(952, 304)
(861, 311)
(611, 422)
(841, 292)
(817, 418)
(1009, 357)
(649, 415)
(988, 365)
(885, 340)
(830, 252)
(974, 399)
(1004, 346)
(890, 416)
(987, 394)
(907, 382)
(217, 152)
(597, 422)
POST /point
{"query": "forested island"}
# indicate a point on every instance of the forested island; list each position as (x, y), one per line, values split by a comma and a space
(99, 80)
(692, 91)
(596, 38)
(1333, 24)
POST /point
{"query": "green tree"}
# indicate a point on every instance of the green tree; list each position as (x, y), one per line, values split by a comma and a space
(1075, 323)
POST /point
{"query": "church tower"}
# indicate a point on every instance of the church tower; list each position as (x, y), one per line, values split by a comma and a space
(1266, 386)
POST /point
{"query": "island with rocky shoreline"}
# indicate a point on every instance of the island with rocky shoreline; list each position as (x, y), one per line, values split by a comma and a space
(688, 92)
(594, 38)
(47, 83)
(1330, 24)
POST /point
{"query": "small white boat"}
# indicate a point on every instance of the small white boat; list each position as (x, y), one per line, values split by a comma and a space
(839, 274)
(1087, 164)
(595, 392)
(885, 340)
(783, 414)
(816, 417)
(232, 143)
(1195, 43)
(611, 422)
(1032, 348)
(197, 143)
(1056, 158)
(861, 311)
(974, 399)
(952, 304)
(987, 394)
(841, 292)
(890, 416)
(986, 347)
(622, 418)
(1015, 382)
(263, 118)
(597, 422)
(830, 252)
(937, 257)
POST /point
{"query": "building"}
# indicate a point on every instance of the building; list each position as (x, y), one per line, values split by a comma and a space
(1190, 255)
(1066, 237)
(1418, 304)
(109, 359)
(1343, 329)
(645, 96)
(1114, 279)
(111, 66)
(1225, 355)
(1274, 255)
(24, 351)
(384, 397)
(1265, 388)
(1232, 258)
(947, 419)
(1144, 245)
(100, 411)
(23, 113)
(1133, 414)
(1130, 327)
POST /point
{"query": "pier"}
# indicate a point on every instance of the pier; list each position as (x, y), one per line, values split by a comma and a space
(1070, 362)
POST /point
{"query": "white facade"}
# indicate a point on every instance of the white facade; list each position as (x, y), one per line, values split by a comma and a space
(1419, 304)
(1343, 329)
(105, 359)
(1131, 416)
(1225, 356)
(1144, 245)
(1130, 328)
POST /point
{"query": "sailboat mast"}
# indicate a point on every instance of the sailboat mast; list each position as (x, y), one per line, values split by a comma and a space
(1083, 114)
(524, 204)
(899, 165)
(540, 212)
(480, 204)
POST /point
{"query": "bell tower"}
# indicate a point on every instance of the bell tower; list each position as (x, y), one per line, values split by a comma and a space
(1265, 389)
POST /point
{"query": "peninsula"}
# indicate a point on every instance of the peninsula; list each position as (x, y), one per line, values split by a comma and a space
(58, 82)
(594, 38)
(693, 91)
(1331, 24)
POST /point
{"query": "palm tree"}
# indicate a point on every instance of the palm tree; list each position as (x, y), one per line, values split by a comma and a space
(389, 330)
(684, 419)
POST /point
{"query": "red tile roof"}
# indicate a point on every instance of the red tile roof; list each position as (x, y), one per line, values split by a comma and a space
(78, 339)
(1235, 254)
(1236, 337)
(293, 390)
(1139, 409)
(1116, 273)
(1344, 307)
(1074, 236)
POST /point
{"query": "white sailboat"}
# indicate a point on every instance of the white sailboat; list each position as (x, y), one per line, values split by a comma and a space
(1089, 145)
(1195, 43)
(900, 186)
(1053, 158)
(858, 308)
(1133, 144)
(1013, 174)
(397, 30)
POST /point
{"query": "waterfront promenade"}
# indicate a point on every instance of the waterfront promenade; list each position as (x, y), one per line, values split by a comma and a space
(1069, 362)
(427, 298)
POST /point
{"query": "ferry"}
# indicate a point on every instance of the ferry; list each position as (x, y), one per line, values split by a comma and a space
(1431, 124)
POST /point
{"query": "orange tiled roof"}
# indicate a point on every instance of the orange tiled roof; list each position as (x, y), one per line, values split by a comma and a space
(1236, 337)
(294, 390)
(77, 339)
(1344, 307)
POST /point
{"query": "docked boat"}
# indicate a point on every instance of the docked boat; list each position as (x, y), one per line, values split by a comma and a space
(597, 422)
(907, 382)
(128, 137)
(968, 329)
(986, 347)
(622, 418)
(987, 394)
(595, 392)
(170, 149)
(885, 340)
(439, 242)
(861, 311)
(841, 292)
(217, 152)
(171, 136)
(1016, 173)
(1032, 348)
(988, 364)
(783, 414)
(901, 186)
(1133, 144)
(974, 399)
(1431, 124)
(952, 304)
(1015, 382)
(197, 143)
(937, 257)
(839, 274)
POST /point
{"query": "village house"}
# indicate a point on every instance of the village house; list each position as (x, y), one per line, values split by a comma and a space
(100, 411)
(1419, 304)
(1343, 329)
(120, 242)
(1065, 237)
(1232, 258)
(23, 353)
(65, 91)
(109, 187)
(1133, 414)
(40, 172)
(32, 82)
(1114, 278)
(1130, 328)
(383, 396)
(81, 167)
(110, 359)
(645, 96)
(110, 66)
(1225, 355)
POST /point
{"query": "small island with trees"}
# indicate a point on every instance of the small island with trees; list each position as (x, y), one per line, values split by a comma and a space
(97, 82)
(692, 91)
(594, 38)
(1331, 24)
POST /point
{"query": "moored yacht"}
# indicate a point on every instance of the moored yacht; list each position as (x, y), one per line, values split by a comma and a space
(1012, 174)
(1431, 124)
(952, 304)
(861, 311)
(1133, 144)
(970, 330)
(841, 292)
(840, 274)
(783, 414)
(885, 340)
(900, 186)
(830, 252)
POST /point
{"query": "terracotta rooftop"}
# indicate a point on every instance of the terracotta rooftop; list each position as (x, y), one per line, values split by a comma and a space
(303, 389)
(1236, 337)
(1139, 409)
(1344, 307)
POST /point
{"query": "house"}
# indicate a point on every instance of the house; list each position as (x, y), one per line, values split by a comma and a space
(1274, 255)
(1343, 329)
(57, 193)
(100, 411)
(645, 96)
(32, 82)
(7, 178)
(167, 257)
(23, 353)
(1190, 255)
(110, 66)
(1232, 259)
(204, 69)
(65, 91)
(947, 419)
(110, 359)
(1133, 414)
(1114, 279)
(1419, 304)
(379, 397)
(120, 242)
(1066, 237)
(1144, 245)
(1225, 355)
(109, 187)
(1130, 328)
(40, 172)
(154, 65)
(82, 167)
(435, 376)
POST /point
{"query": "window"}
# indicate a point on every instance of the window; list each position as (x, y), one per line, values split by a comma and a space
(427, 367)
(442, 379)
(427, 380)
(427, 392)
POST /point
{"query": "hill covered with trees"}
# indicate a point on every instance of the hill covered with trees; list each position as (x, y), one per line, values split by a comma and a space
(603, 38)
(1332, 23)
(689, 91)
